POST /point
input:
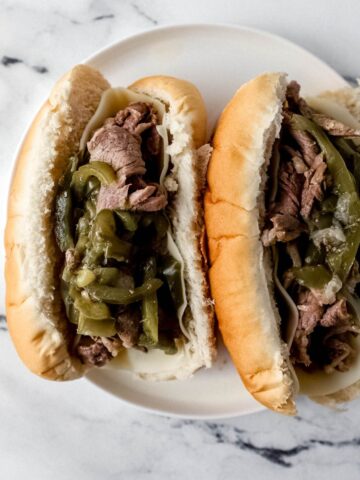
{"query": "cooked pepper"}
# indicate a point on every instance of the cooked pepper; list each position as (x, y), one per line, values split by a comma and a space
(104, 240)
(328, 205)
(171, 269)
(63, 220)
(87, 326)
(129, 220)
(314, 255)
(316, 276)
(107, 275)
(84, 277)
(149, 306)
(71, 312)
(90, 309)
(341, 259)
(101, 170)
(122, 296)
(82, 231)
(353, 155)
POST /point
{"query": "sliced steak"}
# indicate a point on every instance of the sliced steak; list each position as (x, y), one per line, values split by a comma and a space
(307, 145)
(285, 228)
(113, 196)
(120, 149)
(93, 353)
(312, 189)
(128, 326)
(335, 315)
(310, 314)
(137, 117)
(334, 127)
(290, 186)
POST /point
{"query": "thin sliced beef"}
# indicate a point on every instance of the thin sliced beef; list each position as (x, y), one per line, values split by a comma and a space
(299, 164)
(137, 117)
(295, 102)
(307, 145)
(120, 149)
(285, 228)
(93, 353)
(147, 199)
(334, 127)
(128, 325)
(113, 196)
(340, 355)
(312, 189)
(290, 185)
(141, 119)
(310, 314)
(336, 315)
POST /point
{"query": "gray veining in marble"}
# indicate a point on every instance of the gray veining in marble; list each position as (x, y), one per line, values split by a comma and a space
(73, 430)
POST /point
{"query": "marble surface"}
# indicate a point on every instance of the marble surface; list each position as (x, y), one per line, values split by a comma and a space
(74, 430)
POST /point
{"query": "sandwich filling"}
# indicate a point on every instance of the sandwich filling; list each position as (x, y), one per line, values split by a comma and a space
(122, 279)
(312, 232)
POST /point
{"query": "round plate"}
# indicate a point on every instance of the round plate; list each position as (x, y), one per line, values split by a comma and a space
(218, 59)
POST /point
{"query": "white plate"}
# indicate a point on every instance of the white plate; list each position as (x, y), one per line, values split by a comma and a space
(218, 59)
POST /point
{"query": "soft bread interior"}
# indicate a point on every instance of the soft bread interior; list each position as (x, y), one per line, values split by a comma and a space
(240, 278)
(34, 314)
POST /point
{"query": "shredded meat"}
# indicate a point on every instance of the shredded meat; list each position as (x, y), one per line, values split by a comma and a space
(310, 314)
(335, 315)
(307, 145)
(293, 252)
(93, 353)
(354, 277)
(128, 326)
(112, 196)
(312, 189)
(123, 142)
(334, 127)
(295, 101)
(290, 185)
(296, 157)
(340, 355)
(285, 228)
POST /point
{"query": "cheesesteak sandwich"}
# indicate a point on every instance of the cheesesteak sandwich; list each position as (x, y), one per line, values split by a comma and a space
(105, 231)
(282, 213)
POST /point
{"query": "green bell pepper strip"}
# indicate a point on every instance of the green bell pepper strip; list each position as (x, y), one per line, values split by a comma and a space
(101, 170)
(107, 275)
(129, 220)
(63, 220)
(343, 180)
(171, 269)
(351, 153)
(88, 326)
(149, 305)
(104, 241)
(164, 343)
(122, 296)
(314, 255)
(312, 276)
(90, 309)
(341, 259)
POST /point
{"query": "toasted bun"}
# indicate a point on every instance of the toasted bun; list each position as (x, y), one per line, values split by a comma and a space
(240, 272)
(35, 316)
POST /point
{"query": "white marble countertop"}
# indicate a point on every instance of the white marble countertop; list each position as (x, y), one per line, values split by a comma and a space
(65, 431)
